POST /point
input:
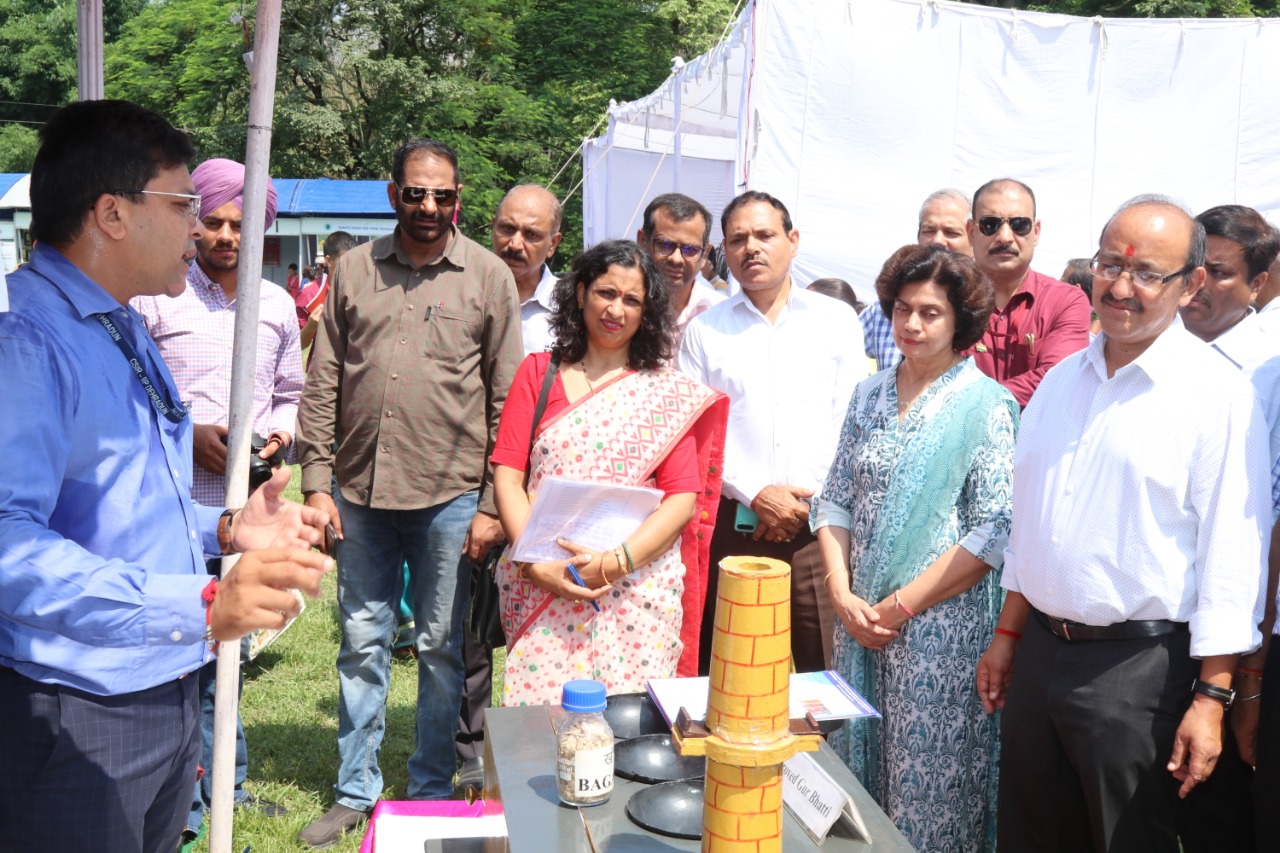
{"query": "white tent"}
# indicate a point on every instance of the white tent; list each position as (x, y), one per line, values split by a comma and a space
(853, 112)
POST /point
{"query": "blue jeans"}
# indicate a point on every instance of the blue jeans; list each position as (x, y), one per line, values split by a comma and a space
(376, 544)
(203, 796)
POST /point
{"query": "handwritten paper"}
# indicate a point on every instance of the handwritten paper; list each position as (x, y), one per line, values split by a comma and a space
(597, 515)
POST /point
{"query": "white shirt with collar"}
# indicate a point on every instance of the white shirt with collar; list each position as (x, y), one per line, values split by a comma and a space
(1253, 345)
(535, 314)
(703, 296)
(1144, 496)
(788, 382)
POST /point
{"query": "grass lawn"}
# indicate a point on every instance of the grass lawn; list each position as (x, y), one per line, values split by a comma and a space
(290, 713)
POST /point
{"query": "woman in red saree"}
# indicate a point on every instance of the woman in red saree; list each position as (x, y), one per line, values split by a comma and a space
(614, 414)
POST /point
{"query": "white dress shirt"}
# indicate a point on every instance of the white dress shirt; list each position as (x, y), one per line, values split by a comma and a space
(1144, 496)
(788, 382)
(703, 296)
(1253, 345)
(535, 314)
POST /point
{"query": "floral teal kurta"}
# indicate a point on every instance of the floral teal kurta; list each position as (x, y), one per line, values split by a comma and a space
(911, 490)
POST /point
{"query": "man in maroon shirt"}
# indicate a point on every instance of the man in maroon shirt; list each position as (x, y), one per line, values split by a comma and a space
(1038, 320)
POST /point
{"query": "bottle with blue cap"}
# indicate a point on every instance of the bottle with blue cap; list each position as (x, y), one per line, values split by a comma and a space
(584, 771)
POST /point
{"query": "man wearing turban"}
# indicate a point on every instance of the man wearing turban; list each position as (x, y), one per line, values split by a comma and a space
(194, 332)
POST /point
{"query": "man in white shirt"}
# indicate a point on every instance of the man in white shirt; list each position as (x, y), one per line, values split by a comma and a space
(1241, 246)
(526, 232)
(788, 359)
(1137, 551)
(676, 232)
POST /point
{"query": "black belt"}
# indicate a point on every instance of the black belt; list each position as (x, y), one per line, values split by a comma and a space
(1136, 629)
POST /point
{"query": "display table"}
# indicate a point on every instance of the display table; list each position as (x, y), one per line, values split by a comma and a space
(520, 764)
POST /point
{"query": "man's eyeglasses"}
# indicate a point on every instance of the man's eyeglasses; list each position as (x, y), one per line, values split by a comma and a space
(1146, 279)
(664, 248)
(414, 196)
(1020, 225)
(193, 201)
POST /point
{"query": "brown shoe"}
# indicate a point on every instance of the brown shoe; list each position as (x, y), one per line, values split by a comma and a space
(328, 830)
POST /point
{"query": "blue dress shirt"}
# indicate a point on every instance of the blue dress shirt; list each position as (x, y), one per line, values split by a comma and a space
(101, 548)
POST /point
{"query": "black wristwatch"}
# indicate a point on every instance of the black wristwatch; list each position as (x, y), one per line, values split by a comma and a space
(1225, 695)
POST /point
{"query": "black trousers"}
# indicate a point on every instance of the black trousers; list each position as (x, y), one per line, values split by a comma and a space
(813, 621)
(112, 774)
(1086, 733)
(1266, 783)
(477, 695)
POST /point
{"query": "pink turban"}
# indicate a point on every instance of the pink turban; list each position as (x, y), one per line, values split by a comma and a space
(219, 181)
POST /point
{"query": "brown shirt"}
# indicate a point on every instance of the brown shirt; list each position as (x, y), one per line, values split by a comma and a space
(408, 376)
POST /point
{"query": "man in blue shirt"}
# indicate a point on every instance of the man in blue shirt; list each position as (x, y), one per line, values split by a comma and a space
(105, 605)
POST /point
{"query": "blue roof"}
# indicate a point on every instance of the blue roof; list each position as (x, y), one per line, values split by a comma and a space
(302, 196)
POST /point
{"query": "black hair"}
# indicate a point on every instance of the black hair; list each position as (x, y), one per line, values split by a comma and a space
(968, 289)
(1079, 272)
(338, 244)
(992, 184)
(417, 147)
(680, 208)
(93, 148)
(1245, 226)
(654, 342)
(749, 197)
(837, 288)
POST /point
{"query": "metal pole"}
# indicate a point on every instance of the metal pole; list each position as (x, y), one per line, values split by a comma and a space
(262, 92)
(89, 49)
(677, 65)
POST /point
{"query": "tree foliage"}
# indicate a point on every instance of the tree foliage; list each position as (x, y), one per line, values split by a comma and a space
(513, 85)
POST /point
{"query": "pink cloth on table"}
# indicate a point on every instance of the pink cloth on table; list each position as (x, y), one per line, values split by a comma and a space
(426, 808)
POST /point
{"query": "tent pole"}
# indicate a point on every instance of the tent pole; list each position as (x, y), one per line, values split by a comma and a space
(262, 88)
(89, 49)
(677, 66)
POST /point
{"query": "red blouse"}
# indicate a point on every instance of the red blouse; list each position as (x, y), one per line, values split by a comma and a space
(675, 474)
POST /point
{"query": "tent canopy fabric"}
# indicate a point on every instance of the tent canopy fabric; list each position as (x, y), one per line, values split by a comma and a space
(851, 113)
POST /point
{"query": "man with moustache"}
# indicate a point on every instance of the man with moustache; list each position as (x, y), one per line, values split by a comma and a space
(1241, 246)
(787, 361)
(1038, 320)
(676, 232)
(1142, 487)
(942, 222)
(418, 346)
(526, 232)
(194, 332)
(106, 608)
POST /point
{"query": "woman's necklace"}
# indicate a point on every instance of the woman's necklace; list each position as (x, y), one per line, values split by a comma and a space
(608, 374)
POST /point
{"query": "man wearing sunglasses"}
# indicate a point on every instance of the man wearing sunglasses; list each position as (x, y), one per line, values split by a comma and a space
(676, 231)
(1135, 566)
(1038, 320)
(419, 343)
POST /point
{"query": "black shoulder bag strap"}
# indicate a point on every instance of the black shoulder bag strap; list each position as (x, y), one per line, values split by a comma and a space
(486, 618)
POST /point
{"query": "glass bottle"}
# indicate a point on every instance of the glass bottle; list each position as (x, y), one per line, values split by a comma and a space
(584, 742)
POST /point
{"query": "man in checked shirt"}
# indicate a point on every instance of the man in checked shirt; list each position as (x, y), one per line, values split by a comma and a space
(194, 334)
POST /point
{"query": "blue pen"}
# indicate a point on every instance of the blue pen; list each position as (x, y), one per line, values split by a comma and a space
(577, 578)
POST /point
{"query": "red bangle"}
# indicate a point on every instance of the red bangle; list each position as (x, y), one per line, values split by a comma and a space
(1009, 633)
(898, 601)
(1248, 671)
(207, 595)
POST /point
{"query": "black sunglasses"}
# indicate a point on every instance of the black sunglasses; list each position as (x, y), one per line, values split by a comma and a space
(1020, 225)
(664, 248)
(444, 196)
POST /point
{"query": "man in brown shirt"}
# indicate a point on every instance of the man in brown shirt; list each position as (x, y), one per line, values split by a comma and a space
(418, 346)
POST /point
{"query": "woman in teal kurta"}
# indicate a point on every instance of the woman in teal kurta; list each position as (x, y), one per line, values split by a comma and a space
(911, 521)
